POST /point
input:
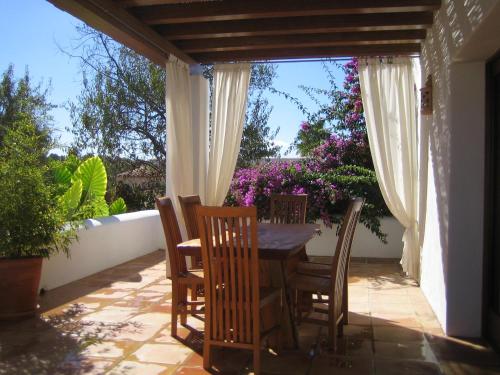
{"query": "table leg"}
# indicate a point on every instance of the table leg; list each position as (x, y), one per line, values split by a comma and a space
(279, 278)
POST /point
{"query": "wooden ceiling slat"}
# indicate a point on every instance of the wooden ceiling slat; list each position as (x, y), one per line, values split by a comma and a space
(136, 3)
(110, 19)
(244, 30)
(297, 25)
(301, 40)
(256, 9)
(313, 52)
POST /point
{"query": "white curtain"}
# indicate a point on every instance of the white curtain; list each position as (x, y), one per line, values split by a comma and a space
(390, 105)
(228, 116)
(187, 132)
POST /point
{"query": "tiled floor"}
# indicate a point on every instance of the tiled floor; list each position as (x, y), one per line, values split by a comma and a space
(117, 322)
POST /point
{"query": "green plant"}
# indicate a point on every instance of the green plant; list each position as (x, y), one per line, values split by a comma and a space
(31, 223)
(82, 188)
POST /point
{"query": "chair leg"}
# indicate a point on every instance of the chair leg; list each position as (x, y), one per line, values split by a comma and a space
(183, 303)
(345, 300)
(298, 306)
(340, 329)
(175, 308)
(256, 361)
(332, 329)
(207, 355)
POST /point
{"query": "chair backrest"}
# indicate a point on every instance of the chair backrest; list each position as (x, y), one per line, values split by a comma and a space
(172, 236)
(340, 264)
(188, 206)
(288, 208)
(231, 272)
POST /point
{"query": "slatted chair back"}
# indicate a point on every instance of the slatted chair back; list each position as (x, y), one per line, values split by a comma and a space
(231, 268)
(188, 206)
(173, 237)
(340, 263)
(288, 208)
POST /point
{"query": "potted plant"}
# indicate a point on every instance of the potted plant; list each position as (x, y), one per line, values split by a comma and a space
(32, 226)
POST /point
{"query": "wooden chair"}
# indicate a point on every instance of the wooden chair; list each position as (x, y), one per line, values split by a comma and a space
(188, 206)
(288, 208)
(232, 294)
(182, 279)
(336, 284)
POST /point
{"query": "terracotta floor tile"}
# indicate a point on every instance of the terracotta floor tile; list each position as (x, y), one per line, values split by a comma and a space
(121, 317)
(360, 318)
(293, 364)
(109, 294)
(109, 349)
(406, 367)
(459, 368)
(406, 350)
(84, 367)
(397, 334)
(158, 288)
(137, 368)
(185, 370)
(391, 319)
(111, 315)
(162, 353)
(341, 365)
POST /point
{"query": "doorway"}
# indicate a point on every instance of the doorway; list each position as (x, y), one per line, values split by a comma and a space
(491, 308)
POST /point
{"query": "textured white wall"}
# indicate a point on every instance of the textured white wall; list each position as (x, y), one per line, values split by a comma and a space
(105, 243)
(365, 243)
(452, 248)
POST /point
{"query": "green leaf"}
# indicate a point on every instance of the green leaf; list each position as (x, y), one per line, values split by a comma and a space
(92, 173)
(62, 175)
(100, 207)
(117, 207)
(70, 200)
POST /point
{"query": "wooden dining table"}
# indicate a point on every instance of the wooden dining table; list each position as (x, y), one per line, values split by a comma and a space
(280, 246)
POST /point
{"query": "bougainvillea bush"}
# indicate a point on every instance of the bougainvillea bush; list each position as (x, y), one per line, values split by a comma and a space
(328, 190)
(337, 164)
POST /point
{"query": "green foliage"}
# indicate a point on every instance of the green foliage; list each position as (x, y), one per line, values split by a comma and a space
(310, 136)
(31, 223)
(92, 174)
(257, 139)
(117, 207)
(120, 112)
(82, 192)
(141, 197)
(21, 98)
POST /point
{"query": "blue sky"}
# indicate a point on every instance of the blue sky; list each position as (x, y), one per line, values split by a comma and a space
(34, 42)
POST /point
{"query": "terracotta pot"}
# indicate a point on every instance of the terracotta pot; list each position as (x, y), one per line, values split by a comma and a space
(19, 280)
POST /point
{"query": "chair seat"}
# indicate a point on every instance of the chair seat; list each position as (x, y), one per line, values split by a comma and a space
(312, 268)
(309, 283)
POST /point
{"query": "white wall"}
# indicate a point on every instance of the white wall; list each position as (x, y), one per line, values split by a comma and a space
(104, 243)
(452, 247)
(365, 243)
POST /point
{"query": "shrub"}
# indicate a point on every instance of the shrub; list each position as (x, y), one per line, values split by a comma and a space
(328, 190)
(31, 223)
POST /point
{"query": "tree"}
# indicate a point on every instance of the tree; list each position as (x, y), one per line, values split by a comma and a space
(341, 115)
(20, 98)
(121, 110)
(257, 139)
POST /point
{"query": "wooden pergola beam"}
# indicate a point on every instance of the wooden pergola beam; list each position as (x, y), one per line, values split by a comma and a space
(297, 25)
(120, 25)
(310, 52)
(209, 11)
(301, 40)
